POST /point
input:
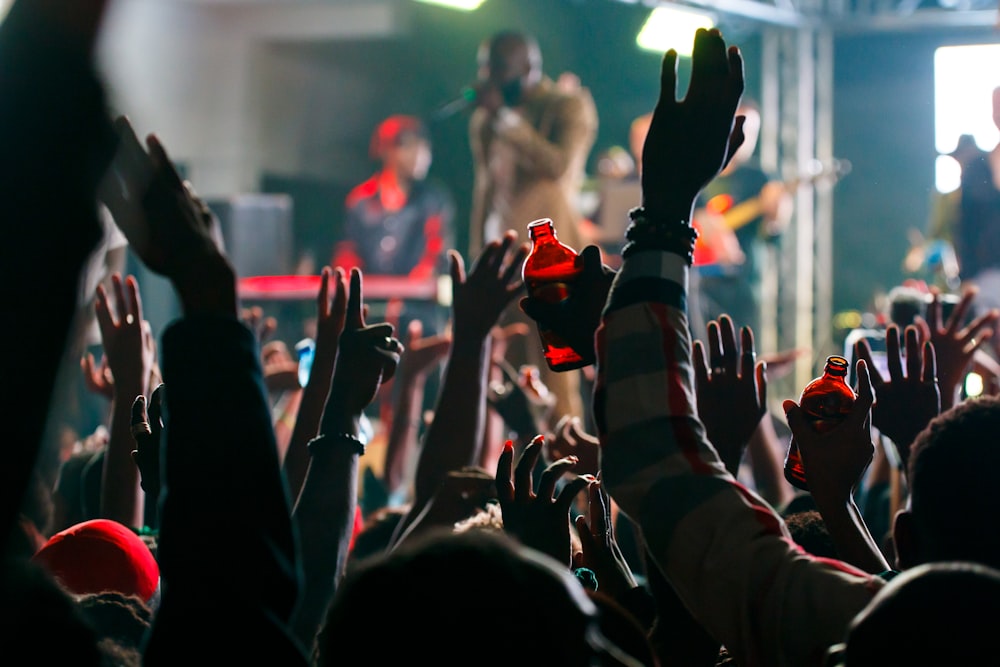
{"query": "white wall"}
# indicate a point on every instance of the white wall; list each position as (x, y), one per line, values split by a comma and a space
(211, 79)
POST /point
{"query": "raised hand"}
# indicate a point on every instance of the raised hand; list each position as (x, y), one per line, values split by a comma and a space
(955, 343)
(147, 427)
(569, 439)
(836, 459)
(576, 318)
(904, 403)
(263, 327)
(281, 370)
(691, 140)
(732, 396)
(422, 353)
(167, 225)
(128, 347)
(600, 548)
(368, 356)
(835, 462)
(509, 398)
(97, 377)
(480, 297)
(538, 520)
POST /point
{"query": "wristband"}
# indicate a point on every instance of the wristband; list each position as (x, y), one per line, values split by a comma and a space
(348, 439)
(676, 236)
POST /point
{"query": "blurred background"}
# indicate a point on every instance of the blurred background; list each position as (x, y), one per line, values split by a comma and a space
(268, 106)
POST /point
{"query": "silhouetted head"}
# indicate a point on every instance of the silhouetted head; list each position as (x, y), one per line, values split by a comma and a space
(953, 506)
(934, 614)
(476, 597)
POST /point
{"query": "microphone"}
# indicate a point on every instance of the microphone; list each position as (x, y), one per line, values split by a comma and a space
(466, 99)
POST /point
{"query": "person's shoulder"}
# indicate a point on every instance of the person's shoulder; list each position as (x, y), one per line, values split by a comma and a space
(361, 192)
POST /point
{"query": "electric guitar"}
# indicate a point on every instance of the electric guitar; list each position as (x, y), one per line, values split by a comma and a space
(716, 239)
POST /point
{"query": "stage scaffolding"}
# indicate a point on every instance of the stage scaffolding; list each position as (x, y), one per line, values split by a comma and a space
(796, 100)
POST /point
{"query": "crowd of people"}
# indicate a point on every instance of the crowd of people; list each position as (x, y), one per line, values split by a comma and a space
(215, 520)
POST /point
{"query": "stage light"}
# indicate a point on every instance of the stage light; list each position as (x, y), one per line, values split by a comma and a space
(672, 28)
(464, 5)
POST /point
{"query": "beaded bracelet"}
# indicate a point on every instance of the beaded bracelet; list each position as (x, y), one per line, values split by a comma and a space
(674, 236)
(344, 438)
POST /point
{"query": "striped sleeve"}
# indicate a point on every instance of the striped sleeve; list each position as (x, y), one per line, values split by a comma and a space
(725, 550)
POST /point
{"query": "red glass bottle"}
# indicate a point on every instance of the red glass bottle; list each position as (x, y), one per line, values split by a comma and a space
(548, 272)
(826, 401)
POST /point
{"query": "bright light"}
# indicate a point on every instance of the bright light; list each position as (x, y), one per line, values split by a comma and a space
(672, 28)
(974, 385)
(464, 5)
(964, 79)
(4, 8)
(948, 174)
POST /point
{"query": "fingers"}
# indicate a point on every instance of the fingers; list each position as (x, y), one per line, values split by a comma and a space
(914, 360)
(551, 475)
(600, 522)
(355, 317)
(590, 257)
(572, 489)
(413, 332)
(957, 316)
(323, 299)
(793, 416)
(156, 406)
(736, 138)
(714, 345)
(668, 78)
(930, 362)
(134, 302)
(892, 348)
(139, 422)
(339, 308)
(748, 355)
(162, 163)
(105, 320)
(761, 376)
(505, 487)
(512, 274)
(980, 329)
(700, 363)
(862, 350)
(456, 267)
(522, 472)
(866, 393)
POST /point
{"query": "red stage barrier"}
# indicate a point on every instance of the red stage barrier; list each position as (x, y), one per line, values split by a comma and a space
(290, 288)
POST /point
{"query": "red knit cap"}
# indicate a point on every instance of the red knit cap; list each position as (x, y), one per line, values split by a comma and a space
(100, 555)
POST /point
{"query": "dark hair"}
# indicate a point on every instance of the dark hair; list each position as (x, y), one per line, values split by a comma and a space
(952, 474)
(452, 594)
(121, 618)
(810, 532)
(933, 614)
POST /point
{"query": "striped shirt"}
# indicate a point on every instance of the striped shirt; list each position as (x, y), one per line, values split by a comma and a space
(725, 550)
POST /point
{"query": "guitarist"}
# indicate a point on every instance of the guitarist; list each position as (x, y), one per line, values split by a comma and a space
(739, 212)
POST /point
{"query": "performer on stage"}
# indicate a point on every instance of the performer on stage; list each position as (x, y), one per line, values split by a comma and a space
(399, 222)
(530, 140)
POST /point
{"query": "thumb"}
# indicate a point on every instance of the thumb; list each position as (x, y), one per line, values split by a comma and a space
(793, 415)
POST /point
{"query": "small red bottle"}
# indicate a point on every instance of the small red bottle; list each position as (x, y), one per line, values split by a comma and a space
(548, 272)
(826, 401)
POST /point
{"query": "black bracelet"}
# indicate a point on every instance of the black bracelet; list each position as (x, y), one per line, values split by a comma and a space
(337, 438)
(676, 236)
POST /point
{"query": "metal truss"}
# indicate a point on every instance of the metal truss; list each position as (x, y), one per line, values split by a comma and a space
(853, 15)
